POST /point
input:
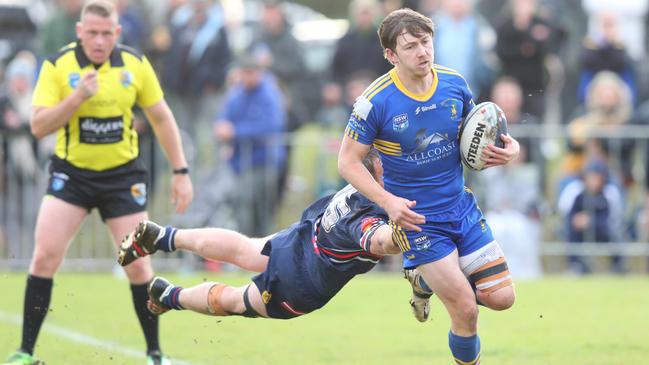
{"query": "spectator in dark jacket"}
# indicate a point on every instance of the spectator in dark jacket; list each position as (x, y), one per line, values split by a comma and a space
(605, 52)
(523, 42)
(593, 208)
(196, 63)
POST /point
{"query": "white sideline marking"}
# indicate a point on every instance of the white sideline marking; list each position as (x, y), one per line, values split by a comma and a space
(85, 339)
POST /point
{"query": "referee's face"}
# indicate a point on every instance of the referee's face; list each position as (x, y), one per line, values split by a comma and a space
(98, 36)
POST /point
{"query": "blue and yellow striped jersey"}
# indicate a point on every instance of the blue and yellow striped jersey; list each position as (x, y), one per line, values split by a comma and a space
(417, 135)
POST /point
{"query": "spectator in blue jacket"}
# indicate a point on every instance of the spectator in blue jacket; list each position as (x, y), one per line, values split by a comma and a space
(250, 127)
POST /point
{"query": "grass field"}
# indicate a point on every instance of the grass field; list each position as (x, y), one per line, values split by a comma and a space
(589, 321)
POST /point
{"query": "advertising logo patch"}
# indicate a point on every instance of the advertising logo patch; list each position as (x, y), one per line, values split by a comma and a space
(265, 296)
(362, 107)
(127, 78)
(425, 108)
(138, 192)
(452, 105)
(422, 242)
(58, 181)
(73, 79)
(100, 130)
(422, 141)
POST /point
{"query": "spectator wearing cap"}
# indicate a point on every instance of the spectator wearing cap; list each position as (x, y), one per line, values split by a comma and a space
(250, 128)
(592, 207)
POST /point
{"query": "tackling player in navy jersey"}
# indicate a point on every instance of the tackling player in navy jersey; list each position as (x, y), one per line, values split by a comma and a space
(301, 268)
(412, 115)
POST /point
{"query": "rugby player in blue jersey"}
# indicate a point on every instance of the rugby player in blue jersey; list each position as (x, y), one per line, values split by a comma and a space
(301, 268)
(412, 115)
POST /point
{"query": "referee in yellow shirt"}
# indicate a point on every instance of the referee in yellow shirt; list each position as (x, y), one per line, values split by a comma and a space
(85, 94)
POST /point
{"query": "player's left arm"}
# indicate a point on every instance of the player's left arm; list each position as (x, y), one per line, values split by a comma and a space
(496, 156)
(166, 130)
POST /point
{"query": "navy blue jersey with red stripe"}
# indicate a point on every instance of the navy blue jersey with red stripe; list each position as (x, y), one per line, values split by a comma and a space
(343, 226)
(310, 261)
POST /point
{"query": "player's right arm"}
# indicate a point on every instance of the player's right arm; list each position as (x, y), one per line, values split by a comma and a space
(350, 167)
(47, 119)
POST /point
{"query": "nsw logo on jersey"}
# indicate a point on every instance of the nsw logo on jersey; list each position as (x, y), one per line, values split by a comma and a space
(400, 122)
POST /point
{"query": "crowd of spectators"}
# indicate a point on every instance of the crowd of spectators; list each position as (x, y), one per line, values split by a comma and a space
(240, 99)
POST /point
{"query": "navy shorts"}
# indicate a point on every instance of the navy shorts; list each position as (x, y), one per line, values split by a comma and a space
(285, 286)
(115, 192)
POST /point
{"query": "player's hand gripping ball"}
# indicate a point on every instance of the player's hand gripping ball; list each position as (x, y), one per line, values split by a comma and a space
(483, 126)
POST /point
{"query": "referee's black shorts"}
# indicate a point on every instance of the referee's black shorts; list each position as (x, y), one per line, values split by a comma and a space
(115, 192)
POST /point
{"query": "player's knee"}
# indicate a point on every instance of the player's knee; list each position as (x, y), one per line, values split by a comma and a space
(500, 299)
(467, 311)
(217, 300)
(139, 271)
(45, 262)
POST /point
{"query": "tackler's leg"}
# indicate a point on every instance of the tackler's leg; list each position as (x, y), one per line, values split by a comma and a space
(211, 243)
(211, 298)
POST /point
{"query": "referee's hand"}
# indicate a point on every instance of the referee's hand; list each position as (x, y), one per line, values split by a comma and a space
(182, 192)
(88, 85)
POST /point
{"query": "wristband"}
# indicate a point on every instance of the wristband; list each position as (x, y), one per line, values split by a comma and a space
(181, 171)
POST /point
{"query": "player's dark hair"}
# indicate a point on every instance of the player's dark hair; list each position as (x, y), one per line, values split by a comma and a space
(102, 8)
(402, 20)
(370, 159)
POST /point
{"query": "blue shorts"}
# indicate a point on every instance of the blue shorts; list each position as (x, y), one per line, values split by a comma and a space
(467, 233)
(286, 286)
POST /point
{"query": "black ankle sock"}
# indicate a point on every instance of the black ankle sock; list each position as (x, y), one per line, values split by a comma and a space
(38, 293)
(148, 321)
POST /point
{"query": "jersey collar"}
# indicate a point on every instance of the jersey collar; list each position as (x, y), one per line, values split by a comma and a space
(419, 97)
(115, 57)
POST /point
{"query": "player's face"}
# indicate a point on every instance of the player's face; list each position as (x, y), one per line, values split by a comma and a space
(414, 54)
(98, 36)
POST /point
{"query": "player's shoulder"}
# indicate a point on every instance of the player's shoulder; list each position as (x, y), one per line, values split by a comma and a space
(375, 94)
(379, 88)
(129, 54)
(448, 74)
(63, 53)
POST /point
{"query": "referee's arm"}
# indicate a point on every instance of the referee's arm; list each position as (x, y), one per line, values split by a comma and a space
(166, 130)
(46, 120)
